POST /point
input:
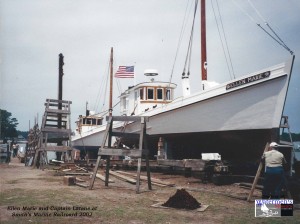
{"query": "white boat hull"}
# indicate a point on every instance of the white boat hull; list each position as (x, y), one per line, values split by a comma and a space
(256, 105)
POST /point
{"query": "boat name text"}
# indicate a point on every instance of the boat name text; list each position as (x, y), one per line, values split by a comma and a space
(248, 80)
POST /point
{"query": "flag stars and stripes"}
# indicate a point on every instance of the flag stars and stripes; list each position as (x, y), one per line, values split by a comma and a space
(125, 72)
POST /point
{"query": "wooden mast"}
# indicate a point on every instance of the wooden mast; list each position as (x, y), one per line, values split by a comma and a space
(111, 82)
(203, 42)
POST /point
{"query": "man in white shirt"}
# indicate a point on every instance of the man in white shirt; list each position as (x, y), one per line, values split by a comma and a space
(274, 172)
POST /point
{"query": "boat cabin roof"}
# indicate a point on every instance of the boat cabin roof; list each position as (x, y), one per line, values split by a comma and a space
(156, 84)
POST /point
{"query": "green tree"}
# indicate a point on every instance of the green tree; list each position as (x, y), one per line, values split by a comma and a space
(8, 125)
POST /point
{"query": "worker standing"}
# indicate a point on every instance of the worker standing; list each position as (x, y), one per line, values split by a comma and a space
(274, 173)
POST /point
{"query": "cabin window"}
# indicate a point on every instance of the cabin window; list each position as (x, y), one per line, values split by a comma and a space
(168, 94)
(99, 122)
(141, 93)
(136, 95)
(159, 94)
(88, 121)
(150, 94)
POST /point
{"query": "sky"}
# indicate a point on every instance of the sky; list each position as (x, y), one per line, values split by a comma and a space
(145, 34)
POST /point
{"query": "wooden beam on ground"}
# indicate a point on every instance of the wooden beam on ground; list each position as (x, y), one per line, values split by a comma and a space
(82, 185)
(101, 177)
(66, 170)
(154, 181)
(82, 174)
(122, 177)
(81, 168)
(79, 179)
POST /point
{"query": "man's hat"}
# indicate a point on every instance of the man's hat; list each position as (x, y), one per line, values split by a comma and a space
(273, 145)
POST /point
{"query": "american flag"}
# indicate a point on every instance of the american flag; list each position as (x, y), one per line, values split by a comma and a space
(125, 72)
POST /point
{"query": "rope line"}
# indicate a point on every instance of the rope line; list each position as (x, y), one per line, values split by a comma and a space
(221, 39)
(225, 38)
(180, 40)
(189, 51)
(275, 36)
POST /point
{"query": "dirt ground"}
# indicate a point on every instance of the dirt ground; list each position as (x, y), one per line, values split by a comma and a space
(34, 196)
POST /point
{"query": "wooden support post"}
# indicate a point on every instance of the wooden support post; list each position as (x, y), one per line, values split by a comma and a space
(138, 176)
(147, 161)
(257, 175)
(140, 159)
(107, 171)
(108, 157)
(95, 172)
(109, 124)
(136, 153)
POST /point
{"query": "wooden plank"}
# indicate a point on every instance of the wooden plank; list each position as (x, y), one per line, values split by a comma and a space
(66, 170)
(170, 162)
(56, 111)
(108, 125)
(55, 119)
(122, 177)
(57, 130)
(101, 177)
(121, 152)
(194, 164)
(63, 116)
(82, 185)
(55, 126)
(55, 149)
(257, 175)
(80, 174)
(154, 181)
(125, 135)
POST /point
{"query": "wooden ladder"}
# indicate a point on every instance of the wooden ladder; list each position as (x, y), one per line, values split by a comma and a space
(284, 123)
(55, 128)
(135, 153)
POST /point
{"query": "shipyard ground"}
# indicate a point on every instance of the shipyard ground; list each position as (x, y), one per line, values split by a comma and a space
(34, 196)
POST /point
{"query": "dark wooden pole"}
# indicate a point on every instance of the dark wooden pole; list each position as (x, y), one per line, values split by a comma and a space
(60, 93)
(111, 82)
(60, 85)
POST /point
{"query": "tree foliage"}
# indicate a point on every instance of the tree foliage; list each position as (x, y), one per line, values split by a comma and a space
(8, 125)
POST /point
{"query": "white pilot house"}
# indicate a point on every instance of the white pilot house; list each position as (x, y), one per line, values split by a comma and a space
(146, 96)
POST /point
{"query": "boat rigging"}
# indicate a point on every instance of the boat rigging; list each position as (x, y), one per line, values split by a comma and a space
(271, 33)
